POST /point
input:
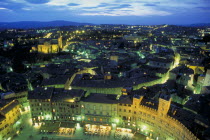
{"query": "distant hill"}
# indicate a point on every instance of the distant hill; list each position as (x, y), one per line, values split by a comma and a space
(38, 24)
(198, 25)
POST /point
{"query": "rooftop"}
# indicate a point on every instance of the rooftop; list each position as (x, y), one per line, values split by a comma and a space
(162, 60)
(182, 69)
(41, 93)
(6, 107)
(120, 82)
(56, 94)
(65, 95)
(56, 80)
(101, 98)
(149, 103)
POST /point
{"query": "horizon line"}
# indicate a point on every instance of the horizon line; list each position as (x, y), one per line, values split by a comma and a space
(99, 23)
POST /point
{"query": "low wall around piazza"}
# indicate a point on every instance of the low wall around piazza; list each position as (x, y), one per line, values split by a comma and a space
(148, 122)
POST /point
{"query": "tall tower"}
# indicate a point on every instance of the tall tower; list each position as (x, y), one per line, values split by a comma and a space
(164, 104)
(60, 42)
(137, 100)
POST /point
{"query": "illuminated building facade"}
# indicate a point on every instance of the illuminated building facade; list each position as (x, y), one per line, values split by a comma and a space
(47, 45)
(10, 119)
(152, 119)
(54, 104)
(158, 119)
(99, 108)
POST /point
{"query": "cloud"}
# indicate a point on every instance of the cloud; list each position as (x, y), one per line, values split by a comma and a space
(85, 8)
(121, 12)
(26, 9)
(107, 4)
(112, 8)
(148, 4)
(13, 6)
(5, 9)
(73, 4)
(120, 6)
(37, 1)
(2, 8)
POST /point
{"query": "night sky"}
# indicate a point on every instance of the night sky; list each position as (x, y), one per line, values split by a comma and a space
(107, 11)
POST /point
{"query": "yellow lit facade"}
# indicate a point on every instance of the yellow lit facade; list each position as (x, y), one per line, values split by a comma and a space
(40, 110)
(44, 109)
(98, 112)
(47, 47)
(153, 122)
(50, 45)
(10, 122)
(137, 114)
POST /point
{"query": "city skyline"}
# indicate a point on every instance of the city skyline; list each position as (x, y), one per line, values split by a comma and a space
(107, 12)
(104, 82)
(105, 69)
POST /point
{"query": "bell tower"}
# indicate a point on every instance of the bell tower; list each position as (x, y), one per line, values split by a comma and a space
(164, 104)
(60, 42)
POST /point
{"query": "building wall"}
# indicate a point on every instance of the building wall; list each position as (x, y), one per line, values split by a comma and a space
(140, 118)
(66, 111)
(207, 78)
(40, 110)
(44, 110)
(12, 122)
(152, 122)
(160, 64)
(60, 42)
(54, 48)
(98, 112)
(48, 48)
(186, 80)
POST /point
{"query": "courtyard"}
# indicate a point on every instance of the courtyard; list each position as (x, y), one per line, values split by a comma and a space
(79, 133)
